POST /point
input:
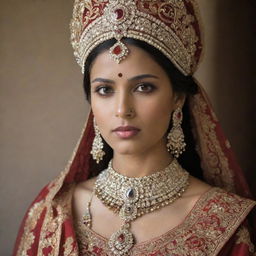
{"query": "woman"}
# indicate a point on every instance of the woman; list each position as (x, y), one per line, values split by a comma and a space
(141, 180)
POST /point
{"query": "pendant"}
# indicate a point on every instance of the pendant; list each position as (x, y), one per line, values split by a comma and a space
(131, 195)
(128, 212)
(118, 51)
(121, 241)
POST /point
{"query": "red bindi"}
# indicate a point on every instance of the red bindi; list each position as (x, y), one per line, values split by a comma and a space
(120, 74)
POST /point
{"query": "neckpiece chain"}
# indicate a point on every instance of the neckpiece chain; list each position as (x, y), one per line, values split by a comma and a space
(131, 198)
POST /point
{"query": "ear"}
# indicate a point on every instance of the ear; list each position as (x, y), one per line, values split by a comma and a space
(179, 100)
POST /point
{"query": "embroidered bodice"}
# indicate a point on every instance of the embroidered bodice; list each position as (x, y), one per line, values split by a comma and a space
(210, 224)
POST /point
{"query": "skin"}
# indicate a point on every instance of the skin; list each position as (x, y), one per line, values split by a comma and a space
(144, 88)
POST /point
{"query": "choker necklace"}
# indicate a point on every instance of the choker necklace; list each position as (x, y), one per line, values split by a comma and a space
(134, 197)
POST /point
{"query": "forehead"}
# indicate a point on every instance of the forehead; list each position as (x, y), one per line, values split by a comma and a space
(137, 62)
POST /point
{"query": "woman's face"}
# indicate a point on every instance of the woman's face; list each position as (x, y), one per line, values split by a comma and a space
(132, 102)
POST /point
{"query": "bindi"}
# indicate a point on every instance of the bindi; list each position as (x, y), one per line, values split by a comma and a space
(120, 75)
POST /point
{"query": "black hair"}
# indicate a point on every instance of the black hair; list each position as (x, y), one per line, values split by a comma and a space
(189, 160)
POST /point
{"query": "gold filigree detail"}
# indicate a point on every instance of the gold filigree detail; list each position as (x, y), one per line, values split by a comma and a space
(28, 237)
(59, 211)
(227, 143)
(214, 162)
(170, 26)
(244, 238)
(69, 247)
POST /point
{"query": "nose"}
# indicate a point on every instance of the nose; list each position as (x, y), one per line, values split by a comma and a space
(124, 106)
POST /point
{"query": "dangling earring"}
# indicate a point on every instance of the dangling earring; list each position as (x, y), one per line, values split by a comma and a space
(175, 138)
(97, 145)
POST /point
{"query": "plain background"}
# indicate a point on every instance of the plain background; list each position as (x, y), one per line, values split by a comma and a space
(43, 109)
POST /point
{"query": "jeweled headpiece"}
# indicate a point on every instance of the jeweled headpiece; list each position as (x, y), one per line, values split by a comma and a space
(171, 26)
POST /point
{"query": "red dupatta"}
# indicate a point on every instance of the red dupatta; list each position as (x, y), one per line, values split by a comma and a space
(47, 228)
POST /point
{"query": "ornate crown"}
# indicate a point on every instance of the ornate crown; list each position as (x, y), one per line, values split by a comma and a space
(172, 26)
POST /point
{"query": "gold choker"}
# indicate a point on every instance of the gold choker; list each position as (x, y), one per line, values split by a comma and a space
(134, 197)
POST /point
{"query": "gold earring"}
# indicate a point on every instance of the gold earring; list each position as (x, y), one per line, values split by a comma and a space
(97, 145)
(175, 138)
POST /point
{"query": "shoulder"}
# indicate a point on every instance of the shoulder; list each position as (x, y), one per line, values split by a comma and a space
(81, 196)
(85, 187)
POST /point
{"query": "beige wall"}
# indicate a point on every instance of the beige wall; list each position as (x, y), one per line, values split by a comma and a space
(42, 107)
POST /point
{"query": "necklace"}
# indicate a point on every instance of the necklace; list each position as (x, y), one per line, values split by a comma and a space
(134, 197)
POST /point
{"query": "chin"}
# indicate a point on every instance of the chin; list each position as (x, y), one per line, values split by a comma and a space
(127, 149)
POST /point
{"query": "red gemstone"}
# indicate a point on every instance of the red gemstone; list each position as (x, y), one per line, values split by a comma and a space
(179, 115)
(119, 31)
(96, 250)
(117, 50)
(121, 238)
(119, 14)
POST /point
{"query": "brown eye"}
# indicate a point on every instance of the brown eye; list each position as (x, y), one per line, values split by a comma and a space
(104, 90)
(145, 87)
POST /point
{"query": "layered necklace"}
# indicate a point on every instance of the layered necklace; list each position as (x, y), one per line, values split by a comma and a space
(131, 198)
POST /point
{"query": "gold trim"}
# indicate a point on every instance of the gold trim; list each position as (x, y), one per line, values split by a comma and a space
(28, 237)
(244, 238)
(214, 162)
(211, 223)
(177, 41)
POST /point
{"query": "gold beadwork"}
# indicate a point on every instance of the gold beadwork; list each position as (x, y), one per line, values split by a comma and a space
(170, 26)
(97, 145)
(175, 138)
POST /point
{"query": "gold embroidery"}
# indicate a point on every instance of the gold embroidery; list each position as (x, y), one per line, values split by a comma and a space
(227, 143)
(89, 243)
(210, 224)
(214, 162)
(244, 238)
(28, 236)
(57, 213)
(69, 247)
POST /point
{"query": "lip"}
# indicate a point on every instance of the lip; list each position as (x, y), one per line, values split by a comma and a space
(125, 132)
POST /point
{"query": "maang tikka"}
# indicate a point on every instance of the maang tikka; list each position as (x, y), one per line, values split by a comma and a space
(97, 145)
(175, 138)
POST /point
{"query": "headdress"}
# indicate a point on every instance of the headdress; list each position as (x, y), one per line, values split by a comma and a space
(170, 26)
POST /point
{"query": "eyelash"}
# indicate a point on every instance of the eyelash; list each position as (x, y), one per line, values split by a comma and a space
(97, 90)
(148, 85)
(104, 87)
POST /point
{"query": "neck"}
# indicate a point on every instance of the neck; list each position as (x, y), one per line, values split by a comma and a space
(140, 165)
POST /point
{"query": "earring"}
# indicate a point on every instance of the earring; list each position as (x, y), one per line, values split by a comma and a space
(97, 145)
(175, 138)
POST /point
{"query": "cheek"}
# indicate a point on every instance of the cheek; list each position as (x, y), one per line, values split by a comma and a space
(157, 115)
(102, 114)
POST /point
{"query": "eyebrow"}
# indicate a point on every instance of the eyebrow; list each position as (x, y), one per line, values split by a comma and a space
(143, 76)
(103, 80)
